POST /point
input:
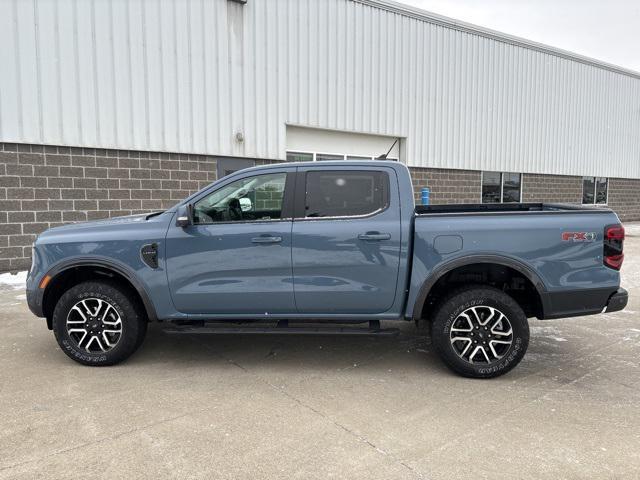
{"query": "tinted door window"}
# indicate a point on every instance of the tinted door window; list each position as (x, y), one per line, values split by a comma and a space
(249, 199)
(343, 193)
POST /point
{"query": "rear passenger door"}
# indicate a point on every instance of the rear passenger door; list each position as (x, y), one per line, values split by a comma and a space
(345, 240)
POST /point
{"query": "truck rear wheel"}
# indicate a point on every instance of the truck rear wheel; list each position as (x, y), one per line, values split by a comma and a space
(98, 323)
(480, 332)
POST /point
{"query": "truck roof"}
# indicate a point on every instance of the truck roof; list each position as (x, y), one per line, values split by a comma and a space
(330, 163)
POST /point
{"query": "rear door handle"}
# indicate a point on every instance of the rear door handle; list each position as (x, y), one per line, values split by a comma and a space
(375, 236)
(266, 239)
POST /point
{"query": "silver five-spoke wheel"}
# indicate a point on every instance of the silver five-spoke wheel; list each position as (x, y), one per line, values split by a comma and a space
(481, 334)
(95, 325)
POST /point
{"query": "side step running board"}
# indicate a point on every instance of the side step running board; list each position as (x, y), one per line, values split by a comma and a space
(282, 328)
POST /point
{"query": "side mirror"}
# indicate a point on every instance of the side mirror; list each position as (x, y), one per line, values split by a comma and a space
(245, 204)
(184, 216)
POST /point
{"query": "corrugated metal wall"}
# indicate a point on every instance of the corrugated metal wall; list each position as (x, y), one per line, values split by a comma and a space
(188, 75)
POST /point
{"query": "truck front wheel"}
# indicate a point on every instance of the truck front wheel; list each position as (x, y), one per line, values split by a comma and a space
(480, 332)
(98, 323)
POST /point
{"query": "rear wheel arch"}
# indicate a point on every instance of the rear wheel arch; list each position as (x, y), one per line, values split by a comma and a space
(65, 276)
(501, 268)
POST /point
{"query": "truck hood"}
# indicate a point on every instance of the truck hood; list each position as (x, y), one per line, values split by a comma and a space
(95, 227)
(100, 223)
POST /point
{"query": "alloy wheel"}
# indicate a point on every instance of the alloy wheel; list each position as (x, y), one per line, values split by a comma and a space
(95, 325)
(481, 334)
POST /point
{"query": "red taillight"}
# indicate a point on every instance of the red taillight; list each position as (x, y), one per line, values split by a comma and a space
(615, 232)
(613, 246)
(614, 261)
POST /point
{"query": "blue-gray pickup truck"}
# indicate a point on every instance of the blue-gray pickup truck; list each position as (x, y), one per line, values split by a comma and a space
(318, 247)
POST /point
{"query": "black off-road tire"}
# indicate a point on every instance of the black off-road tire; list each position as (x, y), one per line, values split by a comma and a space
(460, 301)
(133, 320)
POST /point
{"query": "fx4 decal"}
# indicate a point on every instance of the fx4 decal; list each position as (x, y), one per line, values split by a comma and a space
(579, 236)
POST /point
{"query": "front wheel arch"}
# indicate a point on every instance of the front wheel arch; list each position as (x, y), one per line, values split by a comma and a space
(67, 276)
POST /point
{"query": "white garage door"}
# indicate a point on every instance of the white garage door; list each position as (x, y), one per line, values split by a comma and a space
(313, 144)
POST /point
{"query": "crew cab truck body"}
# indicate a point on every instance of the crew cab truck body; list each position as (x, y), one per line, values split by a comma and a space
(328, 242)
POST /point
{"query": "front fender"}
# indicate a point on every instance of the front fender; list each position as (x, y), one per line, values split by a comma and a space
(36, 297)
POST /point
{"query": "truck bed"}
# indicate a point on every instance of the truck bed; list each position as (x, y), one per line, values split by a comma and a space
(481, 208)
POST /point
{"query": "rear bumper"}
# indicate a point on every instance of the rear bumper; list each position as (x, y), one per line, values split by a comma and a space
(576, 303)
(618, 300)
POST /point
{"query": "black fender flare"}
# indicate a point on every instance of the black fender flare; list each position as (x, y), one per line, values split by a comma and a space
(442, 270)
(107, 264)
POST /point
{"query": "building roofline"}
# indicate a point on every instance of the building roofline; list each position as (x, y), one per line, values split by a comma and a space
(436, 19)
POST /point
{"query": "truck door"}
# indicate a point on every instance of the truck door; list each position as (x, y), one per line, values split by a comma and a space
(346, 239)
(236, 256)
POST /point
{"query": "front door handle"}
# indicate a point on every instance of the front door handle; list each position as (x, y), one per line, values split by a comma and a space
(375, 236)
(266, 239)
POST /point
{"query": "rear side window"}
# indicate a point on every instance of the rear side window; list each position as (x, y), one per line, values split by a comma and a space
(344, 193)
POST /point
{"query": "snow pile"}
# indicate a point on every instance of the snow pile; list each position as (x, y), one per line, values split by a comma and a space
(13, 281)
(632, 229)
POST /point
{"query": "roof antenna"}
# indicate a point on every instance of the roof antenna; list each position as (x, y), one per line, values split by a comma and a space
(384, 155)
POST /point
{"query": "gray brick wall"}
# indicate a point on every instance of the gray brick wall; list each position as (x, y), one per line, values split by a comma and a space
(447, 185)
(46, 186)
(551, 188)
(623, 195)
(624, 198)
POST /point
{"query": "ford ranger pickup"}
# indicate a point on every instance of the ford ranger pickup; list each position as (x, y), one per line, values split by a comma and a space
(318, 247)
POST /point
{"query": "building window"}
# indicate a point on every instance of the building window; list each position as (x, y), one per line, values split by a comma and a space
(323, 157)
(299, 157)
(594, 190)
(326, 157)
(500, 187)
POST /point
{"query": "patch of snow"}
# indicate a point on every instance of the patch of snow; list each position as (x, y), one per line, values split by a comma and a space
(545, 331)
(632, 229)
(21, 297)
(16, 281)
(558, 339)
